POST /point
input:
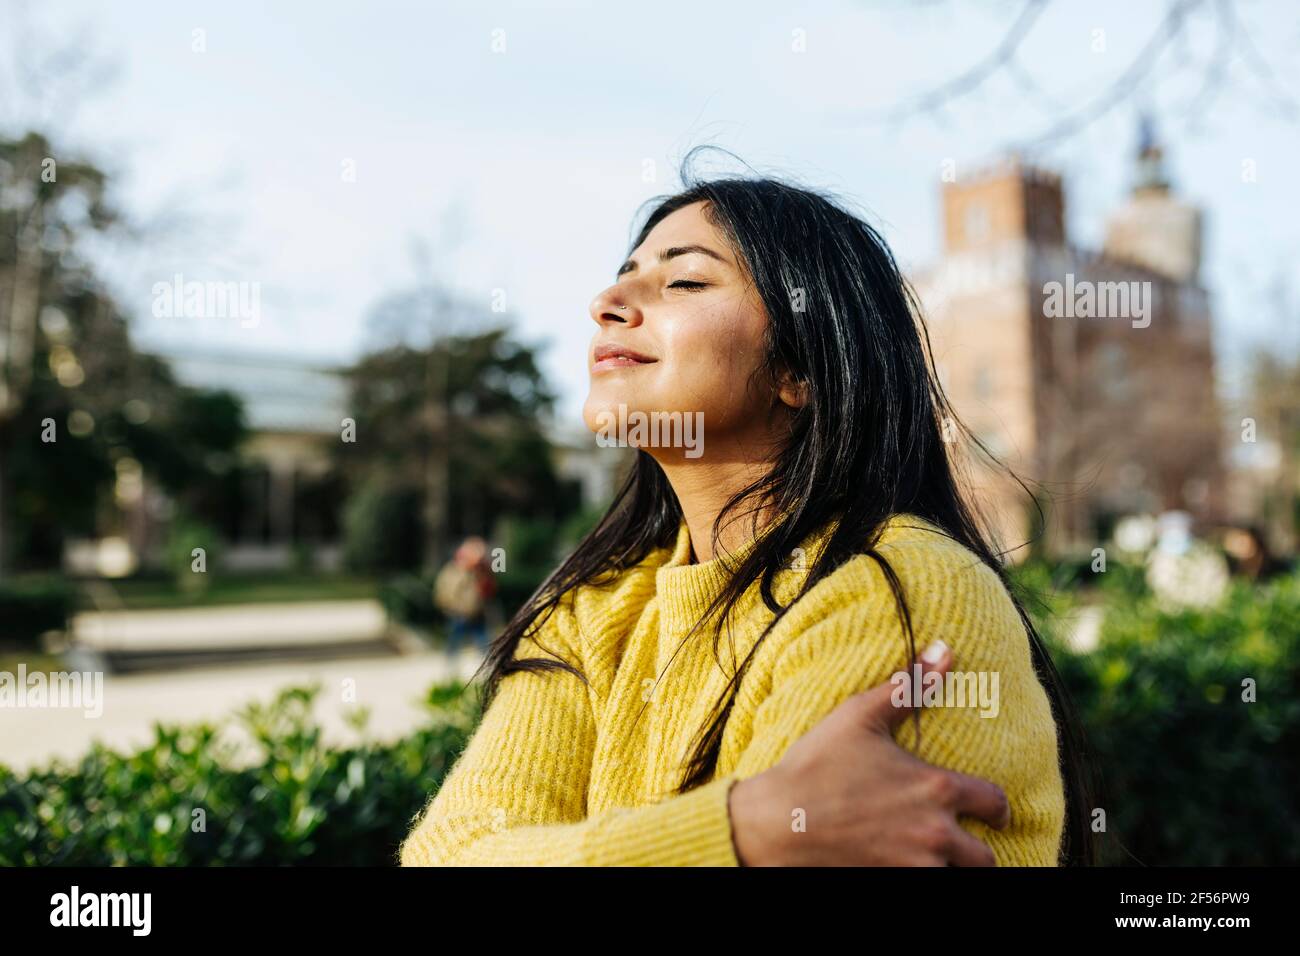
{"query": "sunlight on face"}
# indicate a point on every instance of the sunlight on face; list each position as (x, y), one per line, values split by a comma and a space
(681, 330)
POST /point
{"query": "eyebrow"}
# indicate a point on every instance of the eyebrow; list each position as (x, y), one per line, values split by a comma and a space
(672, 252)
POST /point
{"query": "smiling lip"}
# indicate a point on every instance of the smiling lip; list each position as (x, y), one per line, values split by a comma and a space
(609, 357)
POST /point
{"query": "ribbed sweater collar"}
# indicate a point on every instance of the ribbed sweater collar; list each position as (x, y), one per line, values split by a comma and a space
(685, 589)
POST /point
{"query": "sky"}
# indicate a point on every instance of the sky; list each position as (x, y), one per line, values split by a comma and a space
(334, 153)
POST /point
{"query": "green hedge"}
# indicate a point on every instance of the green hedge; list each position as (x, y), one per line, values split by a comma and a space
(408, 598)
(1193, 774)
(302, 802)
(29, 610)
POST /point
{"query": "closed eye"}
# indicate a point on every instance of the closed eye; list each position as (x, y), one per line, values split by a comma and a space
(687, 284)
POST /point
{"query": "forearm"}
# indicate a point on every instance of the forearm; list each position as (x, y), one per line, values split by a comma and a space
(691, 829)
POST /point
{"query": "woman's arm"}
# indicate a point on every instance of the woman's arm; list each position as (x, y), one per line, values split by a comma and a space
(821, 714)
(845, 794)
(517, 796)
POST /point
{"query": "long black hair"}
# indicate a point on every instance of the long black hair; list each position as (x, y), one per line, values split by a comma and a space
(867, 444)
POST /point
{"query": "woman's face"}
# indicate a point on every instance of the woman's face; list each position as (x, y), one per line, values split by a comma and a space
(681, 330)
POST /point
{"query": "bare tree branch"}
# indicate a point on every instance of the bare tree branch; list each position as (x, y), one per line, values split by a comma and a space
(1233, 43)
(1216, 72)
(1255, 62)
(971, 80)
(1126, 84)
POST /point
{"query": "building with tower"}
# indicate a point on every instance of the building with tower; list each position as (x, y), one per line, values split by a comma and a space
(1089, 373)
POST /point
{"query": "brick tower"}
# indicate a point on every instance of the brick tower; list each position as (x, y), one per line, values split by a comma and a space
(1091, 375)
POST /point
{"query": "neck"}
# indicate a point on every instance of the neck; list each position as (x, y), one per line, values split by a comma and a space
(703, 488)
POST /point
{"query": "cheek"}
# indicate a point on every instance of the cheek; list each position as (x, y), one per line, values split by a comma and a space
(712, 361)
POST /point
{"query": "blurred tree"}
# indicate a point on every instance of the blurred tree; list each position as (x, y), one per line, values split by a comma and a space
(458, 422)
(1273, 400)
(44, 205)
(83, 415)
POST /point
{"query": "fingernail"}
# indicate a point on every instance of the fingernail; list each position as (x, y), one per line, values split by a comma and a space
(934, 653)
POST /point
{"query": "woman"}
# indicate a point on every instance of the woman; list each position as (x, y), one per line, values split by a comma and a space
(706, 680)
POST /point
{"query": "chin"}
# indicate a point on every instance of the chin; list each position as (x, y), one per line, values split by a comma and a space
(601, 408)
(589, 415)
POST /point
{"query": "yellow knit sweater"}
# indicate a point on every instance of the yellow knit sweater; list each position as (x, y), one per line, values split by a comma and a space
(562, 773)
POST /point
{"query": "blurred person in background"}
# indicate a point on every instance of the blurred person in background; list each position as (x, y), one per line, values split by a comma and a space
(463, 591)
(1250, 555)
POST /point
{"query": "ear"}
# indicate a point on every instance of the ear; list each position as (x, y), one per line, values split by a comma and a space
(791, 391)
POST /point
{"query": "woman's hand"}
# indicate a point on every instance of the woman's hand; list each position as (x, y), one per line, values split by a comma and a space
(865, 800)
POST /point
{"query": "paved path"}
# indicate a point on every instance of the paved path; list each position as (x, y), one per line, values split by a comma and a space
(391, 686)
(234, 626)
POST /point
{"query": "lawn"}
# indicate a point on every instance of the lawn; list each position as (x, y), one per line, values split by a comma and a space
(147, 592)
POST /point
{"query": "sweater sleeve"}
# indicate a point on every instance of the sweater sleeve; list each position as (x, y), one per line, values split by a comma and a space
(517, 795)
(996, 724)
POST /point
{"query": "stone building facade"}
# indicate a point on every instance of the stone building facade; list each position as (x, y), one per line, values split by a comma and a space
(1090, 374)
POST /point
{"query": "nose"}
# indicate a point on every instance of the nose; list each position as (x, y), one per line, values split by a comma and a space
(613, 306)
